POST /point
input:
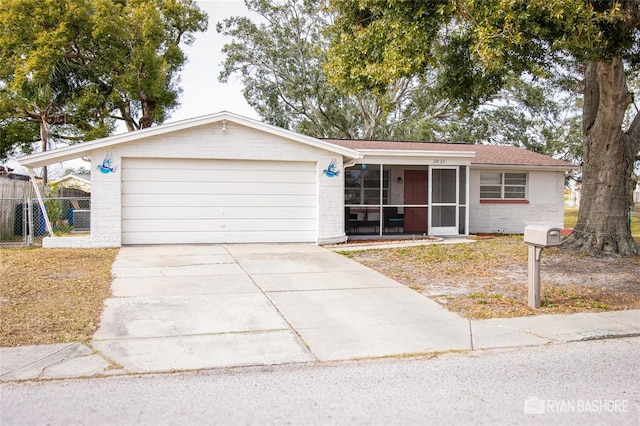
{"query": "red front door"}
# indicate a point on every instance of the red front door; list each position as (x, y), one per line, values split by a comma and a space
(415, 192)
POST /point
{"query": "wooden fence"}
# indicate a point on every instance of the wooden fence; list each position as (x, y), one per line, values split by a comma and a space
(13, 193)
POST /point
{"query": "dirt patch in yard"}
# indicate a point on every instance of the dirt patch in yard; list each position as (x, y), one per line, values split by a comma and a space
(52, 295)
(488, 278)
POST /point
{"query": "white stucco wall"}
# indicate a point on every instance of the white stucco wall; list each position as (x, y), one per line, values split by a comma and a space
(210, 141)
(545, 205)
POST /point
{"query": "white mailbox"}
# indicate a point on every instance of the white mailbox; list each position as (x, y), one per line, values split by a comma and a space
(538, 237)
(542, 236)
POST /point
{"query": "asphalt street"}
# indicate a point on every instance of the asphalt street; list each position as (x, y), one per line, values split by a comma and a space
(592, 382)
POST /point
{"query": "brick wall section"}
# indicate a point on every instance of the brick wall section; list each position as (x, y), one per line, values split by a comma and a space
(330, 202)
(545, 206)
(105, 201)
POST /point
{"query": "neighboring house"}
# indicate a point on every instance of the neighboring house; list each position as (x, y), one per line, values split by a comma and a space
(79, 182)
(224, 178)
(73, 192)
(14, 172)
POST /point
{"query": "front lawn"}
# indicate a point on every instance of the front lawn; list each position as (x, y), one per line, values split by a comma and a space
(52, 295)
(571, 217)
(488, 278)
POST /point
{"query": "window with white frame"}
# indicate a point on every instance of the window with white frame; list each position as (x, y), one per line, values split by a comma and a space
(503, 186)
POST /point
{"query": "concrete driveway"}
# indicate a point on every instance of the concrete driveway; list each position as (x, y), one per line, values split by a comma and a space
(193, 307)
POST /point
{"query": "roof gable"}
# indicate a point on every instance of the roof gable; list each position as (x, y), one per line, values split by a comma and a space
(81, 182)
(75, 151)
(82, 178)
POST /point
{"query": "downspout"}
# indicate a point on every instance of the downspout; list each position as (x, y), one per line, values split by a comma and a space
(40, 202)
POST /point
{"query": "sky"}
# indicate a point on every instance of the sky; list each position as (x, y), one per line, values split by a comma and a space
(202, 93)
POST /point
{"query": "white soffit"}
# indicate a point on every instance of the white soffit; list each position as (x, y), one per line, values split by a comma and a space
(382, 156)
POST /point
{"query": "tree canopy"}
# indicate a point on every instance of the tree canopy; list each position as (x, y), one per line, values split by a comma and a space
(282, 60)
(70, 69)
(484, 43)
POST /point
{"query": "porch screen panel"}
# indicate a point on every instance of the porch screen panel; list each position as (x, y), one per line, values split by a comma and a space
(444, 186)
(443, 216)
(352, 186)
(462, 229)
(371, 187)
(363, 186)
(462, 196)
(462, 200)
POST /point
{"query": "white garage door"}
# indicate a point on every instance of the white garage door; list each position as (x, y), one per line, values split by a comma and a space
(171, 201)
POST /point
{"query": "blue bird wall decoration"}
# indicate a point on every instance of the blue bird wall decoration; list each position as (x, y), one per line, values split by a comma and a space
(331, 170)
(107, 165)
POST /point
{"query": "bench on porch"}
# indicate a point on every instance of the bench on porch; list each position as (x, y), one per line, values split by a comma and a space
(393, 219)
(362, 217)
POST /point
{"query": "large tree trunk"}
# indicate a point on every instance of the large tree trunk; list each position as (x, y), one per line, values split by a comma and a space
(609, 154)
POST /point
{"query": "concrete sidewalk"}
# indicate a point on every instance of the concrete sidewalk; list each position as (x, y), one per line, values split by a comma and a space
(177, 308)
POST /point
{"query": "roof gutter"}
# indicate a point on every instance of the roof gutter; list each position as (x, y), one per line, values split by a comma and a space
(540, 167)
(413, 153)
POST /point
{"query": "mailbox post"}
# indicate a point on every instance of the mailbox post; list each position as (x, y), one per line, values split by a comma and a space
(538, 237)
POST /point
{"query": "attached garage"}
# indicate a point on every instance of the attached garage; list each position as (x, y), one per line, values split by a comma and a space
(220, 178)
(217, 201)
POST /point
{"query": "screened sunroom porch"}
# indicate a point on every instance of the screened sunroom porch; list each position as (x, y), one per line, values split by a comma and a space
(407, 200)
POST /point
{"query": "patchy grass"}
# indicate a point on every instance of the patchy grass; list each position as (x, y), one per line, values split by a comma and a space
(635, 222)
(571, 218)
(52, 295)
(488, 278)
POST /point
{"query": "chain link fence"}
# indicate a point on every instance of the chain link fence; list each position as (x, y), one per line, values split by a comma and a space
(22, 221)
